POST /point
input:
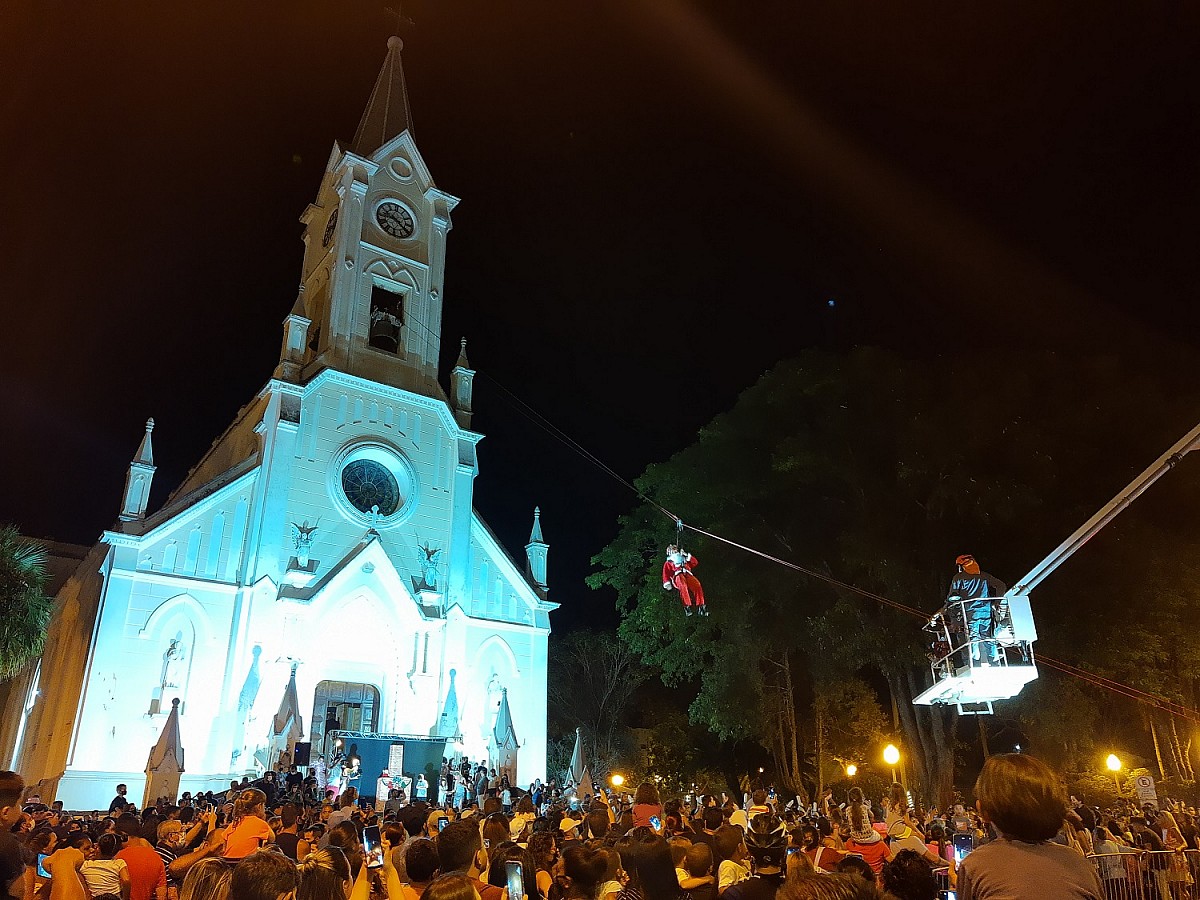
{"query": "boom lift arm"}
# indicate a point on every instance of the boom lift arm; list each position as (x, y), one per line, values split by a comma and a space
(1107, 513)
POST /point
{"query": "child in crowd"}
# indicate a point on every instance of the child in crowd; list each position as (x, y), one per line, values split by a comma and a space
(729, 849)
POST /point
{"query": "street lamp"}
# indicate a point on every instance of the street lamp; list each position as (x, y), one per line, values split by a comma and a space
(617, 780)
(891, 756)
(1114, 765)
(851, 770)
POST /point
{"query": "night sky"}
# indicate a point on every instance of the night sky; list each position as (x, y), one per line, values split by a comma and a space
(660, 200)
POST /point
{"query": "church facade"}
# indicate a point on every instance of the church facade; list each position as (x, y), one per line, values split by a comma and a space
(324, 553)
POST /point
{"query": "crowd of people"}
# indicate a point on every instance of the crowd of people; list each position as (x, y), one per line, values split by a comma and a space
(1023, 839)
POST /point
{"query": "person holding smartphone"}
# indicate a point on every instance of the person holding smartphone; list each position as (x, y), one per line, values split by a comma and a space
(514, 870)
(372, 842)
(647, 805)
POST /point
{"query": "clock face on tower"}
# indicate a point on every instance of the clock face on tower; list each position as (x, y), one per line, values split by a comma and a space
(395, 220)
(329, 227)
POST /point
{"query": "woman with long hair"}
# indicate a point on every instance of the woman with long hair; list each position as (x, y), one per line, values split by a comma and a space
(897, 804)
(935, 840)
(1179, 877)
(324, 875)
(647, 804)
(498, 858)
(865, 840)
(647, 863)
(345, 837)
(544, 850)
(249, 830)
(207, 880)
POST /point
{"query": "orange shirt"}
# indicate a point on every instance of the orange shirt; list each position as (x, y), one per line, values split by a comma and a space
(875, 853)
(146, 870)
(245, 837)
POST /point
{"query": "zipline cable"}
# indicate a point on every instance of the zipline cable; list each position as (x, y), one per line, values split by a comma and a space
(554, 431)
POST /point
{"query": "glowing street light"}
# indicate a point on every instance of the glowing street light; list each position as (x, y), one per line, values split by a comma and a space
(851, 770)
(617, 780)
(1114, 765)
(891, 756)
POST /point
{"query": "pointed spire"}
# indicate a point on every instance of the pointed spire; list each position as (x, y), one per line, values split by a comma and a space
(138, 479)
(387, 111)
(169, 745)
(536, 552)
(447, 726)
(165, 763)
(287, 717)
(462, 387)
(145, 453)
(504, 723)
(578, 775)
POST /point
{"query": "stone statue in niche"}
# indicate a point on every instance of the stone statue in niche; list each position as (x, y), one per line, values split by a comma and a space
(430, 560)
(302, 539)
(495, 690)
(172, 668)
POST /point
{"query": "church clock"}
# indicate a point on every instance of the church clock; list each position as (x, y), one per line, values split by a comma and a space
(329, 227)
(395, 220)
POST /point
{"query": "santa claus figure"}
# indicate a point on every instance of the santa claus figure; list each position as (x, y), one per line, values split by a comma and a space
(677, 574)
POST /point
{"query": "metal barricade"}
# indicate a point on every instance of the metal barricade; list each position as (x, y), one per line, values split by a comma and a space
(1148, 874)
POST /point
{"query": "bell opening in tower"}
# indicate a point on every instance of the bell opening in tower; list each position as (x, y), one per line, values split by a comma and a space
(387, 317)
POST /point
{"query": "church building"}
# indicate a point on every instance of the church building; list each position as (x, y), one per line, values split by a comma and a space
(322, 565)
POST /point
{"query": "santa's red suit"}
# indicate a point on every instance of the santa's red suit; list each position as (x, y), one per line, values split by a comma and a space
(677, 574)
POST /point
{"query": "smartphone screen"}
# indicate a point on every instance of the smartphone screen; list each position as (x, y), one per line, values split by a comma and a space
(372, 850)
(963, 845)
(656, 823)
(516, 879)
(41, 868)
(443, 821)
(791, 851)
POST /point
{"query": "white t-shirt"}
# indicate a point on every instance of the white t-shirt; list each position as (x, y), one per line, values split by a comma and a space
(103, 876)
(730, 873)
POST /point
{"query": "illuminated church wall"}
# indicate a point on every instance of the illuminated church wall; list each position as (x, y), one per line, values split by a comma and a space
(329, 532)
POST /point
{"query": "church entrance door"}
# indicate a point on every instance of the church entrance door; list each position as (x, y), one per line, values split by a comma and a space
(344, 705)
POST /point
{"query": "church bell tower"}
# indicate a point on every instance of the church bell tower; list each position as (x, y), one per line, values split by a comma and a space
(370, 300)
